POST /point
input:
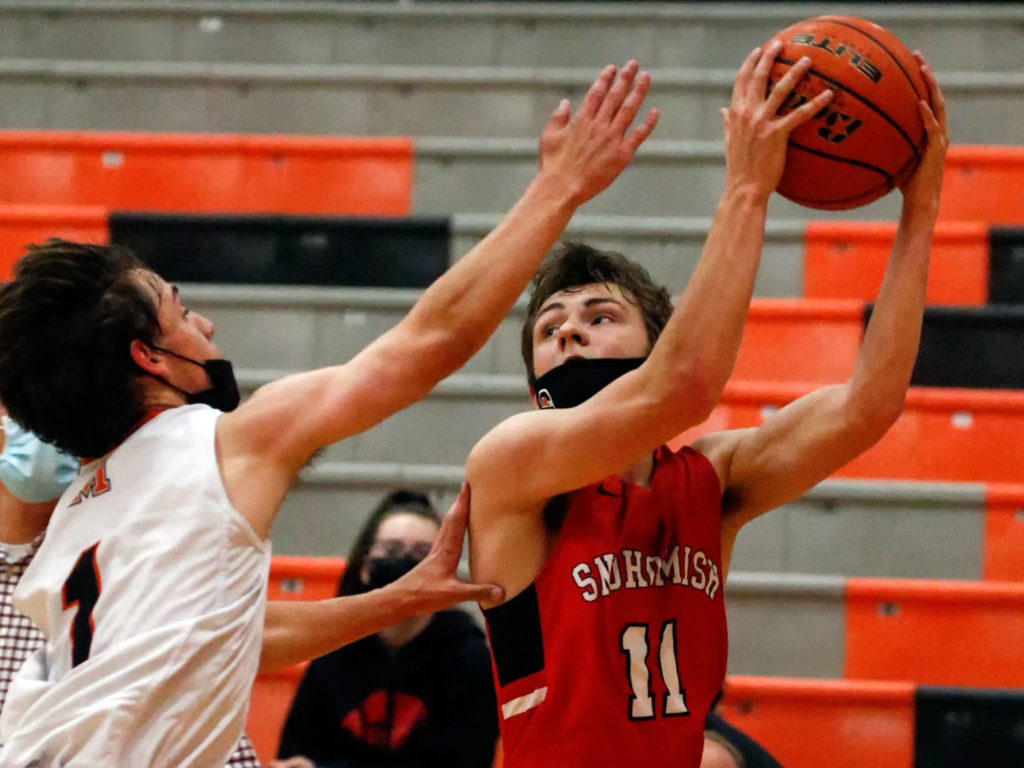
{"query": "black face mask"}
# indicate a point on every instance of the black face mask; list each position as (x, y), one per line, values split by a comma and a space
(382, 571)
(222, 393)
(577, 380)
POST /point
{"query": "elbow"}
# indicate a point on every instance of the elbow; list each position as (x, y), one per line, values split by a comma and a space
(691, 396)
(873, 417)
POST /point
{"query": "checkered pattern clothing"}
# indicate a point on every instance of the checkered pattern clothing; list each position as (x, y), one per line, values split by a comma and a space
(18, 635)
(19, 638)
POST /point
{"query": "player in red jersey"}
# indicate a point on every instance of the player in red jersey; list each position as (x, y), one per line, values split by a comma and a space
(612, 549)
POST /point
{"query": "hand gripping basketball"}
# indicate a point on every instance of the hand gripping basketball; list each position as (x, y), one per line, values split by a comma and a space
(921, 190)
(756, 135)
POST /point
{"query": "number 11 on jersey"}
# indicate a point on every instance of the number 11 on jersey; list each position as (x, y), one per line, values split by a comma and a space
(635, 645)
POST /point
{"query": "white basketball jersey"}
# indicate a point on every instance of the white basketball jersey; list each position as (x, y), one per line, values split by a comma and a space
(150, 588)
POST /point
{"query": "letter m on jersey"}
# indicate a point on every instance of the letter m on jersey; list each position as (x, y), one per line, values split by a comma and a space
(98, 484)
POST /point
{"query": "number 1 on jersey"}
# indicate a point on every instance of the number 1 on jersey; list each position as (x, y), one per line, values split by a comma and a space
(82, 588)
(635, 646)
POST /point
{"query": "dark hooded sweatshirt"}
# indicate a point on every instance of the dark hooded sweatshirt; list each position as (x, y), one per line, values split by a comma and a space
(427, 703)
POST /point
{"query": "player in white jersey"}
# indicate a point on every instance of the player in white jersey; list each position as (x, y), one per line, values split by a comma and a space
(150, 583)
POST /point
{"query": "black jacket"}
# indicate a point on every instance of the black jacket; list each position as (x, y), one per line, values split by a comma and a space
(428, 703)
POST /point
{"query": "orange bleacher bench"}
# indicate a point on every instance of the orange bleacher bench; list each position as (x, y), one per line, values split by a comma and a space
(983, 184)
(959, 633)
(291, 578)
(800, 340)
(207, 172)
(846, 260)
(834, 723)
(960, 435)
(24, 224)
(1003, 556)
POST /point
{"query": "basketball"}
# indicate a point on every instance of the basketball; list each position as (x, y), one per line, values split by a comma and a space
(870, 137)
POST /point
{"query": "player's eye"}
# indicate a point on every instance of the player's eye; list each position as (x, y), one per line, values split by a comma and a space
(597, 320)
(548, 330)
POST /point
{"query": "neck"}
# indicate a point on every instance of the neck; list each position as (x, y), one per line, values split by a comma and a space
(640, 472)
(401, 633)
(21, 521)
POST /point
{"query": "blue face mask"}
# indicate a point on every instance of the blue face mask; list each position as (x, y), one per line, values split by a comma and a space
(32, 470)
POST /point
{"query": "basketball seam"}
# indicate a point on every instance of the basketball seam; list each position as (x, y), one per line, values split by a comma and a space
(889, 181)
(880, 44)
(869, 104)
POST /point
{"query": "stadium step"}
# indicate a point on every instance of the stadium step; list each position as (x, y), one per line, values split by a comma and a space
(473, 34)
(364, 100)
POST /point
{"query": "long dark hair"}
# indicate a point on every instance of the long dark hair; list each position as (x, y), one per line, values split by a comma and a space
(397, 502)
(67, 320)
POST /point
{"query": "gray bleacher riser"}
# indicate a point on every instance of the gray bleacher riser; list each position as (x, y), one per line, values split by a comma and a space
(666, 179)
(320, 520)
(663, 35)
(785, 625)
(289, 329)
(441, 428)
(888, 529)
(911, 530)
(382, 100)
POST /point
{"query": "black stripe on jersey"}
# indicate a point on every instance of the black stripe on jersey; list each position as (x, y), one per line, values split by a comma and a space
(516, 640)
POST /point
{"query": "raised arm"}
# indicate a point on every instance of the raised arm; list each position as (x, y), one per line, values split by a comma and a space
(806, 441)
(534, 456)
(284, 423)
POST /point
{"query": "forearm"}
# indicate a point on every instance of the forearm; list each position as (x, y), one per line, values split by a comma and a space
(887, 355)
(464, 306)
(703, 336)
(301, 630)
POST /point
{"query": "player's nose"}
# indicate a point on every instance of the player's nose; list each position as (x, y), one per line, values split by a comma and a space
(570, 333)
(206, 326)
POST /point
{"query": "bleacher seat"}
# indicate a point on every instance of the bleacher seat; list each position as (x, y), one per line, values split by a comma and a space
(846, 260)
(208, 172)
(934, 632)
(835, 723)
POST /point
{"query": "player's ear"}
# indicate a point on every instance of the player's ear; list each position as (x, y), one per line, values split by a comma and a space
(145, 357)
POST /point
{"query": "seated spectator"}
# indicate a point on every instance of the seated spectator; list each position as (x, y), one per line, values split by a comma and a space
(418, 693)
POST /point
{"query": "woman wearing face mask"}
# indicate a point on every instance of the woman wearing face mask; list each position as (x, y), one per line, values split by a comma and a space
(416, 694)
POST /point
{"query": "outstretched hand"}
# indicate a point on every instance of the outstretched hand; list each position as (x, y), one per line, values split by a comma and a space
(756, 136)
(591, 148)
(434, 582)
(921, 190)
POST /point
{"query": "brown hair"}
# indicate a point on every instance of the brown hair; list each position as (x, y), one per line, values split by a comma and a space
(66, 322)
(574, 265)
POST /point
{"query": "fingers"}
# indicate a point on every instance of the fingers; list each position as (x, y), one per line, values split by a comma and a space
(931, 124)
(759, 79)
(935, 97)
(481, 593)
(596, 95)
(739, 89)
(806, 112)
(453, 525)
(631, 106)
(641, 132)
(786, 85)
(560, 117)
(617, 93)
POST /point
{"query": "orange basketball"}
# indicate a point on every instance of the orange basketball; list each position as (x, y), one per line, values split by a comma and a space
(869, 138)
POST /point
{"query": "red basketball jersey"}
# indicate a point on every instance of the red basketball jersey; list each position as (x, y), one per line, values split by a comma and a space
(613, 656)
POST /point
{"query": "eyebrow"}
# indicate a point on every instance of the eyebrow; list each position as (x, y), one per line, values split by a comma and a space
(588, 303)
